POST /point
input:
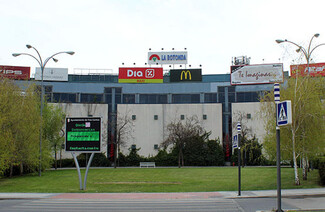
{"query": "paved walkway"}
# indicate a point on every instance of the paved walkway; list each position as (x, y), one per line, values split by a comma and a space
(180, 195)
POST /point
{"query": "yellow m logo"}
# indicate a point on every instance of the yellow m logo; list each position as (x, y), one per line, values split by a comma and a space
(185, 75)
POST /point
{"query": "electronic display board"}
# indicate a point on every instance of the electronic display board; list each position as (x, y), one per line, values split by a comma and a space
(83, 134)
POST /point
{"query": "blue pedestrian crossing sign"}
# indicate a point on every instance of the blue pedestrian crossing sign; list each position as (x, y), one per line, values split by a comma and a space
(283, 113)
(235, 142)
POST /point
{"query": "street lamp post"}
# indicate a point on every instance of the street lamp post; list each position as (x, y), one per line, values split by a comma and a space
(42, 66)
(306, 52)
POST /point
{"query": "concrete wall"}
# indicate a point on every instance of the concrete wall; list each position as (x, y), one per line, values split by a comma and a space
(250, 115)
(86, 110)
(149, 132)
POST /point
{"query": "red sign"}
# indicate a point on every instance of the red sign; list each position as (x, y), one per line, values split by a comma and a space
(140, 75)
(315, 69)
(15, 72)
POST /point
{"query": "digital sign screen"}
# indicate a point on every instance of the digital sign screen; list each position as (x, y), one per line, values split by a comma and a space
(83, 134)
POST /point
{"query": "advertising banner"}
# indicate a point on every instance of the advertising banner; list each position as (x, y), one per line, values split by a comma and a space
(315, 69)
(83, 134)
(158, 58)
(256, 74)
(15, 72)
(52, 74)
(185, 75)
(140, 75)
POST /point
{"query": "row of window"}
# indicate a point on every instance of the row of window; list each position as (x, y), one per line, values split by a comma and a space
(152, 98)
(182, 117)
(155, 146)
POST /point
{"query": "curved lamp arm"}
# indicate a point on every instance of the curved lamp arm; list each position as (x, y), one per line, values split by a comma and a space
(49, 58)
(39, 55)
(322, 44)
(18, 54)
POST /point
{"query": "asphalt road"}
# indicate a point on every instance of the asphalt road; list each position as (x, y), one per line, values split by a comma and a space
(191, 205)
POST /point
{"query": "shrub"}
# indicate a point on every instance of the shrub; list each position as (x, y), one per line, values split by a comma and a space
(99, 160)
(321, 169)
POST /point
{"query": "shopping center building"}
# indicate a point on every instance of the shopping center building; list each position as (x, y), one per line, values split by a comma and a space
(214, 99)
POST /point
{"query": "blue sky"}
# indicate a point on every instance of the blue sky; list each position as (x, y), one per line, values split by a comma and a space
(105, 33)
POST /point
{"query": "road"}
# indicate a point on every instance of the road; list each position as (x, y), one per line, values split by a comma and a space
(190, 205)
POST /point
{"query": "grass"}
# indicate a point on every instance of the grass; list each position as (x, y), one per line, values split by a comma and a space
(157, 180)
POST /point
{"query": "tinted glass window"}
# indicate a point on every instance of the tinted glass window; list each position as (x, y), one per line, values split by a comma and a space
(91, 98)
(128, 98)
(153, 99)
(64, 97)
(186, 98)
(221, 97)
(247, 97)
(210, 97)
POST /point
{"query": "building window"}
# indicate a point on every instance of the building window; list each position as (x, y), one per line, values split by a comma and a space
(205, 117)
(210, 97)
(128, 98)
(91, 98)
(155, 117)
(134, 117)
(65, 97)
(156, 146)
(247, 97)
(185, 98)
(249, 116)
(153, 98)
(182, 117)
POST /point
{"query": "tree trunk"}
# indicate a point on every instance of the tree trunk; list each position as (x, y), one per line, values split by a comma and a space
(179, 157)
(11, 170)
(115, 156)
(60, 158)
(304, 168)
(55, 159)
(182, 159)
(297, 181)
(21, 168)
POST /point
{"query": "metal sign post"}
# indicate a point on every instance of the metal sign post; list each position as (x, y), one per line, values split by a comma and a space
(239, 158)
(278, 153)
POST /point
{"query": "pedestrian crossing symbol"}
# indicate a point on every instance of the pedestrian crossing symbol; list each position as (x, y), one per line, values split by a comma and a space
(283, 113)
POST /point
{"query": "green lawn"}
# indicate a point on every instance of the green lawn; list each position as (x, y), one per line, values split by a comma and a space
(157, 180)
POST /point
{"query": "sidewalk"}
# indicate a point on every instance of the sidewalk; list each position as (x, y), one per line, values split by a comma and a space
(175, 195)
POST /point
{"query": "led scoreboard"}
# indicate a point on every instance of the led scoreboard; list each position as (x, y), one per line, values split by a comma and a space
(83, 134)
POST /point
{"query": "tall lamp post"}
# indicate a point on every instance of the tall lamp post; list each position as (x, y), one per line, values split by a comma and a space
(42, 65)
(306, 52)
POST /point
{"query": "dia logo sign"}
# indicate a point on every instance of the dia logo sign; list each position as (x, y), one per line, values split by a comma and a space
(140, 75)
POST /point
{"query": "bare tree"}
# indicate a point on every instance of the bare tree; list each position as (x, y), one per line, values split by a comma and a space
(124, 131)
(181, 131)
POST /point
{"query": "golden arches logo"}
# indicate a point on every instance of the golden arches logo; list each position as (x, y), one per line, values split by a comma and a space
(185, 75)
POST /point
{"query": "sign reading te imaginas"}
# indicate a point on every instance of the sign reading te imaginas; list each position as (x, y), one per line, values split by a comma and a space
(256, 74)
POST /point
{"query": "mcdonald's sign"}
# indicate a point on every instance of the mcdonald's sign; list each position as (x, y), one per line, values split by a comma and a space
(185, 75)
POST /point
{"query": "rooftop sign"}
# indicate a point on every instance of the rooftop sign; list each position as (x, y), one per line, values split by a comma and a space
(52, 74)
(315, 69)
(158, 58)
(256, 74)
(185, 75)
(15, 72)
(140, 75)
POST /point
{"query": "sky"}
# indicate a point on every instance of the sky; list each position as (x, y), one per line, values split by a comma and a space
(106, 33)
